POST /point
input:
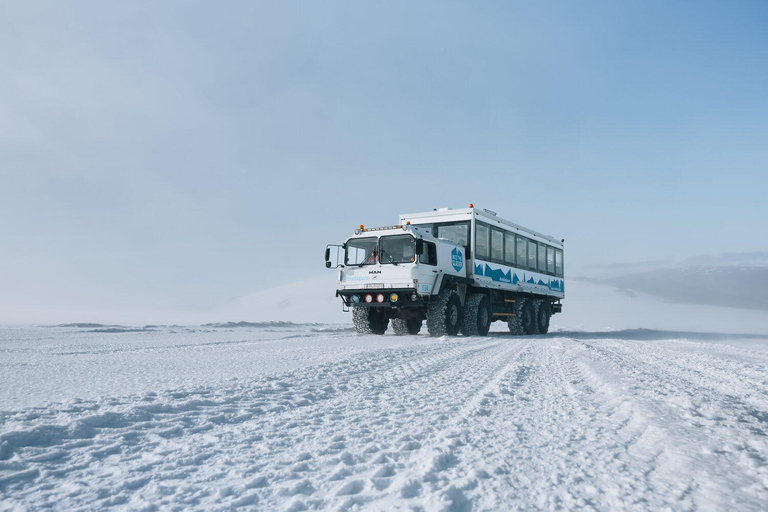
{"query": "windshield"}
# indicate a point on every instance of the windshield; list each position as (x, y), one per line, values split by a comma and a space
(397, 249)
(361, 251)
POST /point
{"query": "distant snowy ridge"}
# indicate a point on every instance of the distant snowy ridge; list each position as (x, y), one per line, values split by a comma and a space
(587, 306)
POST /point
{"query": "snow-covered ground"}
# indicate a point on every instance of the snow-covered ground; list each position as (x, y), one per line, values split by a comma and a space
(283, 416)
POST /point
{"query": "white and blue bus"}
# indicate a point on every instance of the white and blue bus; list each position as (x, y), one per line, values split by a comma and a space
(520, 270)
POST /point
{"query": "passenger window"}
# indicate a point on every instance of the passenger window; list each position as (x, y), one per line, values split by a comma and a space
(522, 259)
(550, 261)
(497, 245)
(542, 258)
(531, 255)
(482, 241)
(559, 262)
(509, 248)
(456, 233)
(429, 256)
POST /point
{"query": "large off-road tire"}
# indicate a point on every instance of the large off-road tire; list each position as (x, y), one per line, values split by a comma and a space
(409, 326)
(444, 314)
(477, 315)
(515, 323)
(543, 314)
(369, 320)
(528, 318)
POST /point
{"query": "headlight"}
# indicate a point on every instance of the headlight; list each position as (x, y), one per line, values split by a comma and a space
(369, 298)
(355, 299)
(393, 297)
(380, 297)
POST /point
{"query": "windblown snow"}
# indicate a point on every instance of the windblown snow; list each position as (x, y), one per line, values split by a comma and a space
(280, 416)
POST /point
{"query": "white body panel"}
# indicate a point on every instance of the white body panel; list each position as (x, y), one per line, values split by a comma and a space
(493, 274)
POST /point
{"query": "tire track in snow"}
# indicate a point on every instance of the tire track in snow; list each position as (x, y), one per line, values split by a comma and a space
(266, 415)
(451, 423)
(716, 425)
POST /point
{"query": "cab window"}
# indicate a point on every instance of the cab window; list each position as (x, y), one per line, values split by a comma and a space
(397, 249)
(361, 251)
(429, 256)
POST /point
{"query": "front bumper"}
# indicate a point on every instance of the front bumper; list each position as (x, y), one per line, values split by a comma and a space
(404, 298)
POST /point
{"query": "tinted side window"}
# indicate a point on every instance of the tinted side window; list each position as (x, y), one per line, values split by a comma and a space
(456, 233)
(542, 258)
(509, 248)
(497, 245)
(522, 244)
(482, 241)
(550, 260)
(559, 262)
(531, 255)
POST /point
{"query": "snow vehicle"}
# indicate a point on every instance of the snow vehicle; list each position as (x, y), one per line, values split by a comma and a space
(458, 269)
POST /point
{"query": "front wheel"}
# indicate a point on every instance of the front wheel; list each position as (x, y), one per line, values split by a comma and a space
(369, 320)
(444, 314)
(409, 326)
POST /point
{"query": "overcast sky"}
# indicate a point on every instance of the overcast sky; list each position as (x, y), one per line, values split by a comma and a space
(159, 155)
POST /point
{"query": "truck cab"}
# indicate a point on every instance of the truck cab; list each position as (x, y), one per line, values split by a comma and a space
(396, 270)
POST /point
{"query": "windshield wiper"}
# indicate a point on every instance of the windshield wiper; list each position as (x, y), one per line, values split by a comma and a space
(365, 261)
(391, 258)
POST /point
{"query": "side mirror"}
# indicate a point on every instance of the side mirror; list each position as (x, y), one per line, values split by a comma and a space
(334, 256)
(419, 246)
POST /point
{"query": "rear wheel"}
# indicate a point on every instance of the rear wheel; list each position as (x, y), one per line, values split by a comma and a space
(409, 326)
(515, 322)
(543, 315)
(444, 314)
(369, 320)
(477, 316)
(529, 318)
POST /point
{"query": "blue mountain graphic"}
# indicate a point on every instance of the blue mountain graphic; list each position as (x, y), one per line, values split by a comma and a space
(498, 274)
(478, 269)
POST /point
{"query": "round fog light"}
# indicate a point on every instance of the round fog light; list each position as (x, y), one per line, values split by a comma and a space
(393, 297)
(380, 297)
(368, 298)
(355, 299)
(414, 296)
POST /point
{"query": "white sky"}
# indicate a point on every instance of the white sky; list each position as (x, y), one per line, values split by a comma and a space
(173, 156)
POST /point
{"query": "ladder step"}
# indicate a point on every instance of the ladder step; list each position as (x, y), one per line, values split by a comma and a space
(505, 314)
(509, 300)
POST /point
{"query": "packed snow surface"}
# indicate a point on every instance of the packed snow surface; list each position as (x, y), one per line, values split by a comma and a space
(305, 417)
